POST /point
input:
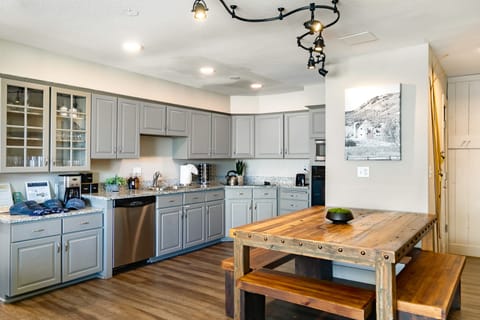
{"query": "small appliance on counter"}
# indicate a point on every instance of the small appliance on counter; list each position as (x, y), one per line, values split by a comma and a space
(232, 179)
(186, 172)
(87, 184)
(300, 180)
(68, 187)
(205, 173)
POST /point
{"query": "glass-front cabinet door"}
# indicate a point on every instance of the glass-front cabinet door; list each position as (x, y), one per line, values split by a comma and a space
(70, 130)
(24, 127)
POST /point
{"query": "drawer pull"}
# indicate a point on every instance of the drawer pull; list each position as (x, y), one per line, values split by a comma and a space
(85, 222)
(59, 247)
(241, 193)
(171, 201)
(195, 198)
(265, 194)
(39, 230)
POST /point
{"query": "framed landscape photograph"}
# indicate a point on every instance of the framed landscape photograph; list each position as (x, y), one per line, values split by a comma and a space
(372, 123)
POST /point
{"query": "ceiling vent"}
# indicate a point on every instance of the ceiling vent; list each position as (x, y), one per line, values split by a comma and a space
(358, 38)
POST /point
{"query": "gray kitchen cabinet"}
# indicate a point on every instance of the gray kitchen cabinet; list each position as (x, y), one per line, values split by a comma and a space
(35, 264)
(243, 138)
(161, 120)
(209, 137)
(177, 123)
(317, 121)
(115, 128)
(215, 220)
(152, 118)
(193, 225)
(169, 230)
(293, 199)
(50, 252)
(296, 141)
(249, 204)
(269, 135)
(201, 132)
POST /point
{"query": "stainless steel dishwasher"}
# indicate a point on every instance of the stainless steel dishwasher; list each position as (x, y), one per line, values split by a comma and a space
(133, 230)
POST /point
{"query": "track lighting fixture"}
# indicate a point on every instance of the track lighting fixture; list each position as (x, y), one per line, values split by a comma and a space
(314, 27)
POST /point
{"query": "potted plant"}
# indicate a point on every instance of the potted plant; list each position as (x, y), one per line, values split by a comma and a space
(240, 166)
(113, 184)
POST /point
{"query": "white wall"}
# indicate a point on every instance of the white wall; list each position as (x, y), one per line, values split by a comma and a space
(28, 62)
(292, 101)
(396, 185)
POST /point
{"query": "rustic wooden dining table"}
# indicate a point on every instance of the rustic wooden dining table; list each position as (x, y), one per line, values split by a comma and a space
(375, 238)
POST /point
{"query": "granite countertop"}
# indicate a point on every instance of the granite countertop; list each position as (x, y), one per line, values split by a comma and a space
(11, 219)
(149, 192)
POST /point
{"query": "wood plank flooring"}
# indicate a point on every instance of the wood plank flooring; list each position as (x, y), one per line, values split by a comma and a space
(182, 288)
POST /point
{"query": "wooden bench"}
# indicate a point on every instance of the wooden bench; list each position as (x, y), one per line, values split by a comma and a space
(259, 258)
(429, 286)
(339, 299)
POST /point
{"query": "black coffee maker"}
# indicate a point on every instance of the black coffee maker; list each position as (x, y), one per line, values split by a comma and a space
(300, 179)
(68, 187)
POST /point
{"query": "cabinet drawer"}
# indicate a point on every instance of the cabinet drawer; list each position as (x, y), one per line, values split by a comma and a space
(83, 222)
(297, 195)
(293, 205)
(37, 229)
(265, 193)
(238, 193)
(193, 197)
(169, 200)
(213, 195)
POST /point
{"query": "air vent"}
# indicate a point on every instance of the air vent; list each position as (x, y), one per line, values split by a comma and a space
(358, 38)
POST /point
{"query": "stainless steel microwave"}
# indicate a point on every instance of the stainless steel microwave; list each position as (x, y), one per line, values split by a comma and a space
(319, 149)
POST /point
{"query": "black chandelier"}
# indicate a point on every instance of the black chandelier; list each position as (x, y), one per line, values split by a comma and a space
(314, 27)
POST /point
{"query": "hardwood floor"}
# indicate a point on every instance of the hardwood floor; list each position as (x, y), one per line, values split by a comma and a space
(182, 288)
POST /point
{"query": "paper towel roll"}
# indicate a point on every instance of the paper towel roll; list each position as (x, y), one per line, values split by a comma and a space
(186, 174)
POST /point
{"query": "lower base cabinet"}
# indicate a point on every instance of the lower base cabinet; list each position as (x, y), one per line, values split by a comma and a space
(189, 219)
(53, 251)
(293, 199)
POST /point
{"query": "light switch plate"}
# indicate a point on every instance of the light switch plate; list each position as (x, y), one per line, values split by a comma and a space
(363, 172)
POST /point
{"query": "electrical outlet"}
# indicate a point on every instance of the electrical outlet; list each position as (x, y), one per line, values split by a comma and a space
(363, 172)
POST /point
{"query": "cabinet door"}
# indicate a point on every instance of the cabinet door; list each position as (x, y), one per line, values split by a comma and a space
(296, 135)
(70, 130)
(221, 136)
(104, 127)
(464, 114)
(269, 136)
(177, 121)
(243, 137)
(238, 212)
(215, 220)
(317, 123)
(82, 254)
(152, 119)
(35, 264)
(194, 225)
(264, 209)
(128, 129)
(169, 230)
(24, 127)
(200, 137)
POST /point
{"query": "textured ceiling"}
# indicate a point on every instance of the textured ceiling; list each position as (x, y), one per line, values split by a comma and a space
(176, 46)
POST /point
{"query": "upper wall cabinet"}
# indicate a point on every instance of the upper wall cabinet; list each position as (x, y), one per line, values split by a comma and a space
(157, 119)
(296, 144)
(24, 127)
(243, 139)
(317, 122)
(464, 113)
(209, 137)
(282, 135)
(70, 130)
(269, 135)
(115, 128)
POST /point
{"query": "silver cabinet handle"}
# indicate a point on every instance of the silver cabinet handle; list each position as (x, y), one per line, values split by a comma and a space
(59, 247)
(85, 222)
(39, 230)
(286, 151)
(171, 201)
(66, 246)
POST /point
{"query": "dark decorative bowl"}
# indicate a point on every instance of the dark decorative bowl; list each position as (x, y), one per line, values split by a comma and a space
(339, 215)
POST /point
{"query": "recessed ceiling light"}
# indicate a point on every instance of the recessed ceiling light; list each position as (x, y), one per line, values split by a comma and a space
(132, 47)
(132, 12)
(256, 85)
(207, 70)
